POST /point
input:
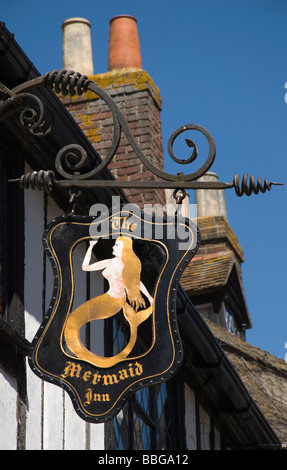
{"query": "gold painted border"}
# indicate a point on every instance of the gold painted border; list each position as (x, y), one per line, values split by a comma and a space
(59, 296)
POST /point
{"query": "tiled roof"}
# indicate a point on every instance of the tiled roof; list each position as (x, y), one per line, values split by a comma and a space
(207, 271)
(264, 375)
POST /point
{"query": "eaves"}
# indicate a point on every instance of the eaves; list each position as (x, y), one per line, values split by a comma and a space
(244, 425)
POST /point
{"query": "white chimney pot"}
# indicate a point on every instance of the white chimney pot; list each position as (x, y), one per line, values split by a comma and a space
(77, 46)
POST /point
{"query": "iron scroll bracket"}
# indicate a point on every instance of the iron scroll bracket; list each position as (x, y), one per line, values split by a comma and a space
(73, 168)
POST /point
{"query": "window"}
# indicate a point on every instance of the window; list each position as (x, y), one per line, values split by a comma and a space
(11, 242)
(231, 323)
(148, 420)
(206, 310)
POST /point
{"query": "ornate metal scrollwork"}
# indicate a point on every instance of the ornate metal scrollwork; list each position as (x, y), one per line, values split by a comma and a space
(30, 109)
(70, 82)
(73, 164)
(73, 158)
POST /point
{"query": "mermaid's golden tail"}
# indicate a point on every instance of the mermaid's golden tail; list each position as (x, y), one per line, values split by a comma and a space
(136, 318)
(101, 307)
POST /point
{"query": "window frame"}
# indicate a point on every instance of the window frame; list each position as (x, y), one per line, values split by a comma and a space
(12, 242)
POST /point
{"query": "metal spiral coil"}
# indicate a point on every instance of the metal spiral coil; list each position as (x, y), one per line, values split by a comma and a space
(38, 180)
(248, 187)
(67, 82)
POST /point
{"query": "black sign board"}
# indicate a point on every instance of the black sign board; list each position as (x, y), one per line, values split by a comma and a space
(141, 259)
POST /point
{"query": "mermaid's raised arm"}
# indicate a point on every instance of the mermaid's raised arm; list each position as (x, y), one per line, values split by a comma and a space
(86, 266)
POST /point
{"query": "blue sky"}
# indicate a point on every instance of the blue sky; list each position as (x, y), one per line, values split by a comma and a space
(221, 64)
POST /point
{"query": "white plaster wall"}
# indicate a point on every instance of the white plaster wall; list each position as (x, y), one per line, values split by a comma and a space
(8, 417)
(33, 288)
(52, 423)
(190, 418)
(204, 425)
(204, 421)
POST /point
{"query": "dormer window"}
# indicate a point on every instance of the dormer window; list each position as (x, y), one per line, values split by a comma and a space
(231, 323)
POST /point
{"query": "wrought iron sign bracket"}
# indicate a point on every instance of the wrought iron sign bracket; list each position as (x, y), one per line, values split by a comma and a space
(79, 171)
(140, 257)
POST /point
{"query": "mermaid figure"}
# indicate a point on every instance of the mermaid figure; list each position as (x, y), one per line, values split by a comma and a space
(125, 287)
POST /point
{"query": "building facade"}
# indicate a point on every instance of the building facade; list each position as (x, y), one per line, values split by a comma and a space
(207, 405)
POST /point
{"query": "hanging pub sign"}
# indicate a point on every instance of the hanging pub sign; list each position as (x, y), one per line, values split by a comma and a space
(132, 261)
(140, 258)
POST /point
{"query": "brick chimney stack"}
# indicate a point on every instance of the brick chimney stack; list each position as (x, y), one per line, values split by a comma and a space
(138, 98)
